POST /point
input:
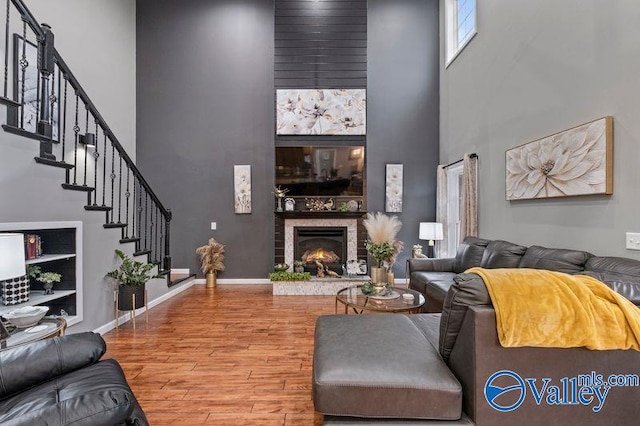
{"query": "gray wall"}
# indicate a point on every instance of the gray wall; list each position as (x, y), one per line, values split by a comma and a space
(533, 69)
(402, 109)
(205, 102)
(104, 63)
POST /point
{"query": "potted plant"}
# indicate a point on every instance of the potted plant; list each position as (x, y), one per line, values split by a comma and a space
(46, 278)
(212, 260)
(132, 277)
(382, 244)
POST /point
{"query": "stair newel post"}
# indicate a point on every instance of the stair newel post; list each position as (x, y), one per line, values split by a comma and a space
(139, 209)
(46, 66)
(167, 258)
(157, 235)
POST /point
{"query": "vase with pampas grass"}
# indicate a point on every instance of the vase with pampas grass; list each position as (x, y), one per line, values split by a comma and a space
(212, 260)
(382, 244)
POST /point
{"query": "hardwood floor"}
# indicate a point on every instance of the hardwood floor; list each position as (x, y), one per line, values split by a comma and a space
(233, 355)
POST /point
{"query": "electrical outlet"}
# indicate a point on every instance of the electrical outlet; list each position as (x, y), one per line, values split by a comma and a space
(214, 226)
(633, 241)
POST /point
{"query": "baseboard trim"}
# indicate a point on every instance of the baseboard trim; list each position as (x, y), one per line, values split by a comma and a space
(236, 281)
(155, 302)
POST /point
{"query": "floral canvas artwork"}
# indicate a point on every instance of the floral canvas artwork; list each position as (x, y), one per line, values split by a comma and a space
(393, 188)
(321, 112)
(578, 161)
(242, 188)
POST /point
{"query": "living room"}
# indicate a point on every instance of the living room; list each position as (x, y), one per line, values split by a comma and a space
(189, 90)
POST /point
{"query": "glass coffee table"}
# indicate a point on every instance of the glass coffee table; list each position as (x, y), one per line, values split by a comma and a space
(47, 328)
(396, 301)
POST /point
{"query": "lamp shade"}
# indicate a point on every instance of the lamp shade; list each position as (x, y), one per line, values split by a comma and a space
(11, 256)
(430, 231)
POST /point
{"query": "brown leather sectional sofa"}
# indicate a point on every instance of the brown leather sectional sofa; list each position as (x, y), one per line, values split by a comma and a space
(449, 368)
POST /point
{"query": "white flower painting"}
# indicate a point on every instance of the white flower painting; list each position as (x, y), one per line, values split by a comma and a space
(321, 112)
(578, 161)
(393, 188)
(242, 188)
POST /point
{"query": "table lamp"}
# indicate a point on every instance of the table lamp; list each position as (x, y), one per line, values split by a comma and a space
(431, 231)
(12, 267)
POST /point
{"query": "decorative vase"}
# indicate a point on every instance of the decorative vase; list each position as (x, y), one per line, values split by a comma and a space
(391, 277)
(125, 299)
(48, 288)
(211, 280)
(378, 275)
(379, 289)
(279, 209)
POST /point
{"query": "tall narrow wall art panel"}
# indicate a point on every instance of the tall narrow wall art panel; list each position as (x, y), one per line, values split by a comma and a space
(393, 188)
(577, 161)
(242, 188)
(321, 112)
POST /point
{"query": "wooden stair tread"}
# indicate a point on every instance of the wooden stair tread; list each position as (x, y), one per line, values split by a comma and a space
(114, 225)
(97, 208)
(76, 187)
(53, 163)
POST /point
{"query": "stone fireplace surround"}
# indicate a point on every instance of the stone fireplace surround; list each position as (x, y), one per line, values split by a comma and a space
(350, 224)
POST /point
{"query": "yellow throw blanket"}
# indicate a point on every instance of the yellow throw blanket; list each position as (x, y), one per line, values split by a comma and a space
(552, 309)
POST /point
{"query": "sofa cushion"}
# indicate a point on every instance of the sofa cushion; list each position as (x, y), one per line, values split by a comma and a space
(24, 366)
(502, 254)
(560, 260)
(380, 366)
(429, 325)
(94, 395)
(469, 253)
(467, 290)
(621, 274)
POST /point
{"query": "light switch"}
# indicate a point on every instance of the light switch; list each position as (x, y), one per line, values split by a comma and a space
(633, 241)
(214, 226)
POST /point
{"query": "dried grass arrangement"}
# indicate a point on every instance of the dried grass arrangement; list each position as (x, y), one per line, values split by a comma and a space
(382, 243)
(212, 260)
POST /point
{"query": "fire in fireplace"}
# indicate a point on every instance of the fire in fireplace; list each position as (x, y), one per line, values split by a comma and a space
(327, 245)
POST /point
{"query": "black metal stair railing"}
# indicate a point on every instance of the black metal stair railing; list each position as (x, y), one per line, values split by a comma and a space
(48, 104)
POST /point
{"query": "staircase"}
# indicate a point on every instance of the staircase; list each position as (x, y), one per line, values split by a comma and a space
(45, 102)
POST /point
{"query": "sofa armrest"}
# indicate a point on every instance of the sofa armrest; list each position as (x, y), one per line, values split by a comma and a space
(27, 365)
(477, 355)
(430, 265)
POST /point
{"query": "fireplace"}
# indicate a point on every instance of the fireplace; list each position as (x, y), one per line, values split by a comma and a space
(337, 235)
(324, 244)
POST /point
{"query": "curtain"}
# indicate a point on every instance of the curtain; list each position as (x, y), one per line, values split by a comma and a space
(469, 208)
(441, 247)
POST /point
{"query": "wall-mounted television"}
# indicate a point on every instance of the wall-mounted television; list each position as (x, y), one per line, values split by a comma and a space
(321, 170)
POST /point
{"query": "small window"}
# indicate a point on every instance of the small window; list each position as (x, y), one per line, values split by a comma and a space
(454, 207)
(460, 26)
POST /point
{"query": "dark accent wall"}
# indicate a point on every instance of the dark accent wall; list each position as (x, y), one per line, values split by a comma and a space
(205, 101)
(403, 109)
(320, 44)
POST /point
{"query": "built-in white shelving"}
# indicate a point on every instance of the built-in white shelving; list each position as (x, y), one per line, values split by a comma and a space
(62, 253)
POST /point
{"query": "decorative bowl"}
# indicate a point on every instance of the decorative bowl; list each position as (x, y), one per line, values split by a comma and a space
(280, 267)
(26, 316)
